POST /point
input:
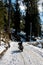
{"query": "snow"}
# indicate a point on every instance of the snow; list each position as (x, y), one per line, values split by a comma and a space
(2, 48)
(39, 45)
(31, 55)
(40, 41)
(23, 33)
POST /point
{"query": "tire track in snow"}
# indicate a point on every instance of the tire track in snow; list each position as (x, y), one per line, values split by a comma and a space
(23, 59)
(33, 55)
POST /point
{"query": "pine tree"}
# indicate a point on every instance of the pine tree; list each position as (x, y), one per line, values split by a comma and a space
(32, 16)
(17, 17)
(3, 15)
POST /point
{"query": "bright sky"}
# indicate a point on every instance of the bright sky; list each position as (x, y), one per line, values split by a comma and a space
(21, 5)
(39, 7)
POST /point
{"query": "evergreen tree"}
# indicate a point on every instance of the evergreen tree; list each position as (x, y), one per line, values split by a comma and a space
(32, 16)
(17, 17)
(3, 15)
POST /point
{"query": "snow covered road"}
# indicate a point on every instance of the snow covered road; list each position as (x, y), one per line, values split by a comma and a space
(30, 56)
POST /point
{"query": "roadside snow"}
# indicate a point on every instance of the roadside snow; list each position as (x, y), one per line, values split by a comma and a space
(39, 41)
(2, 48)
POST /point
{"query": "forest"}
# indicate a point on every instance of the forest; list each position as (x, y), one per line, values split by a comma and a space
(11, 17)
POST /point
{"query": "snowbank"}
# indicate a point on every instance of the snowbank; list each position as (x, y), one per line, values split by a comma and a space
(2, 48)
